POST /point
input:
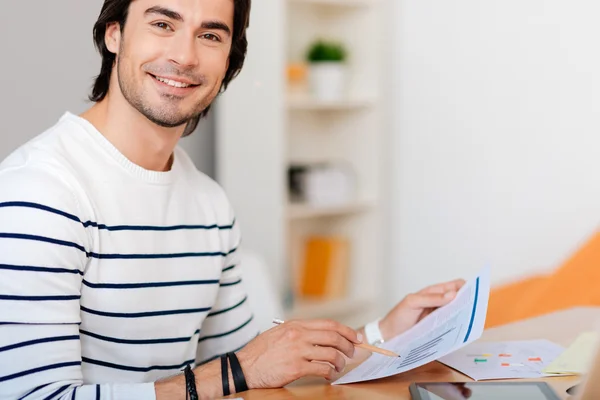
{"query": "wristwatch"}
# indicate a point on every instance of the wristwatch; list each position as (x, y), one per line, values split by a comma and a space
(373, 334)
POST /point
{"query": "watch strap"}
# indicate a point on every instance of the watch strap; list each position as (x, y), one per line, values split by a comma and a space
(373, 333)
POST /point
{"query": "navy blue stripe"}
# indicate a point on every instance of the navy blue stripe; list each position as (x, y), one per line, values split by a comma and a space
(138, 341)
(226, 333)
(156, 256)
(145, 314)
(117, 227)
(74, 393)
(147, 284)
(155, 228)
(40, 269)
(113, 256)
(39, 207)
(42, 239)
(97, 392)
(39, 369)
(228, 309)
(60, 390)
(229, 268)
(38, 298)
(474, 309)
(36, 389)
(231, 284)
(39, 323)
(38, 341)
(136, 369)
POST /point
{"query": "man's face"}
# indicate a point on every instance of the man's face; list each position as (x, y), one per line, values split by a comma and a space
(172, 56)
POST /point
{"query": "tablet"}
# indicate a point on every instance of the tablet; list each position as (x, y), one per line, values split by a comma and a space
(482, 391)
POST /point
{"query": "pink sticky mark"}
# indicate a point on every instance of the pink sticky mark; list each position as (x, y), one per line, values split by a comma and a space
(504, 355)
(535, 359)
(505, 364)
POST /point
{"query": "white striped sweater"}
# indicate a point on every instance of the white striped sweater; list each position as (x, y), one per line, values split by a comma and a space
(111, 276)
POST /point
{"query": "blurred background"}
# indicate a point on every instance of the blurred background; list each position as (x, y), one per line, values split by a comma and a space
(372, 147)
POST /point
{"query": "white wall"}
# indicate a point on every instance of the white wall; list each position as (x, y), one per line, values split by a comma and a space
(249, 135)
(47, 65)
(496, 137)
(48, 62)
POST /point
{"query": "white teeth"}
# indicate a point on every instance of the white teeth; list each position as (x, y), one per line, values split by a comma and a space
(173, 83)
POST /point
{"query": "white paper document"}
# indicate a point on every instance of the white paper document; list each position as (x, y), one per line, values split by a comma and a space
(504, 360)
(443, 331)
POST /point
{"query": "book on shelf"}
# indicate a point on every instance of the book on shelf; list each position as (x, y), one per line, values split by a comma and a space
(325, 267)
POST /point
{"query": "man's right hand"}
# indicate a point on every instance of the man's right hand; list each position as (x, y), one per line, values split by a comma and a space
(297, 349)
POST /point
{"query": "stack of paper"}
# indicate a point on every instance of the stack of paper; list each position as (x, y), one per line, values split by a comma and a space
(445, 330)
(577, 358)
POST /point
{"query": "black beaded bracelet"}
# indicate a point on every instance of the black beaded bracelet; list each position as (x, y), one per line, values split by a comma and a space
(225, 375)
(238, 374)
(190, 383)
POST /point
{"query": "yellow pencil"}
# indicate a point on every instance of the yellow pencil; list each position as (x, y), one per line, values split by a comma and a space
(365, 346)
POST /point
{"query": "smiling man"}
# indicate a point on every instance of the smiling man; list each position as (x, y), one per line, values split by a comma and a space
(118, 259)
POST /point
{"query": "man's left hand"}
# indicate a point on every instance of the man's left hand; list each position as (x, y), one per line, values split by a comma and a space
(416, 306)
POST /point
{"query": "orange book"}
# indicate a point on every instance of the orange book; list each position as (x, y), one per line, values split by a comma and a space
(325, 267)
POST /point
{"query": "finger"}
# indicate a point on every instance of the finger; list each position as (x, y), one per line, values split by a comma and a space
(330, 339)
(323, 370)
(429, 300)
(454, 285)
(330, 325)
(444, 287)
(327, 354)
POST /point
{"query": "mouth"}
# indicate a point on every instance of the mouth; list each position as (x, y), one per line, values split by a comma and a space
(173, 83)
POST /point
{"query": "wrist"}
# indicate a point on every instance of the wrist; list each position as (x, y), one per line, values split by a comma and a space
(387, 329)
(208, 384)
(208, 380)
(250, 372)
(378, 331)
(170, 389)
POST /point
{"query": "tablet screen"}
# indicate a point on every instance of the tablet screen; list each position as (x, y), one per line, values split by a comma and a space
(485, 391)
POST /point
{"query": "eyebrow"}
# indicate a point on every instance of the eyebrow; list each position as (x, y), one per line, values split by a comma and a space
(216, 25)
(164, 11)
(174, 15)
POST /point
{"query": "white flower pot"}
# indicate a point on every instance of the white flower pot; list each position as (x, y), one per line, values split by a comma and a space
(327, 80)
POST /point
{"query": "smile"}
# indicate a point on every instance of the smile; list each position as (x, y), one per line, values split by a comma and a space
(173, 83)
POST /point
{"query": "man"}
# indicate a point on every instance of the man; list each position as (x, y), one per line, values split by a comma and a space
(118, 262)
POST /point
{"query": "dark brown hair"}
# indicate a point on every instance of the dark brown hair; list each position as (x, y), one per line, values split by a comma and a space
(117, 10)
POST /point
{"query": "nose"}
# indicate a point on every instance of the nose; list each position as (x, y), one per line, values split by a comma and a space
(183, 51)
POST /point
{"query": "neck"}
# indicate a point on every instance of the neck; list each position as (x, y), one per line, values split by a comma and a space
(143, 142)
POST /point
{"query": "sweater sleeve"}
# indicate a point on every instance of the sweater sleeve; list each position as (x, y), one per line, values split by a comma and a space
(230, 324)
(44, 250)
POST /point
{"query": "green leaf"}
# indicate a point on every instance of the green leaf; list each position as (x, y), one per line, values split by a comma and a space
(322, 51)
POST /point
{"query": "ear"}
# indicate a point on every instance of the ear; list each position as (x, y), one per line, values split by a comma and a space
(112, 37)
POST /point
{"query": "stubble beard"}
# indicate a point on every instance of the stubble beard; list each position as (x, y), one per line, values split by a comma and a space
(167, 115)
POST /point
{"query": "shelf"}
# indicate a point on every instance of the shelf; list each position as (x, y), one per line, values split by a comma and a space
(336, 308)
(305, 103)
(302, 211)
(336, 3)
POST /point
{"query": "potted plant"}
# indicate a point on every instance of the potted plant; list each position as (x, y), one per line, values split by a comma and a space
(327, 70)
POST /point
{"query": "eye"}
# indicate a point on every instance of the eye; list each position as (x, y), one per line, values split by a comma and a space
(163, 26)
(211, 37)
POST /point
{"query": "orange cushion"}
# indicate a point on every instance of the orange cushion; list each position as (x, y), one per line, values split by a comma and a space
(575, 283)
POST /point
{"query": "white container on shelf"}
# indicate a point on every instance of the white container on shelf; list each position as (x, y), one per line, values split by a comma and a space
(330, 185)
(328, 80)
